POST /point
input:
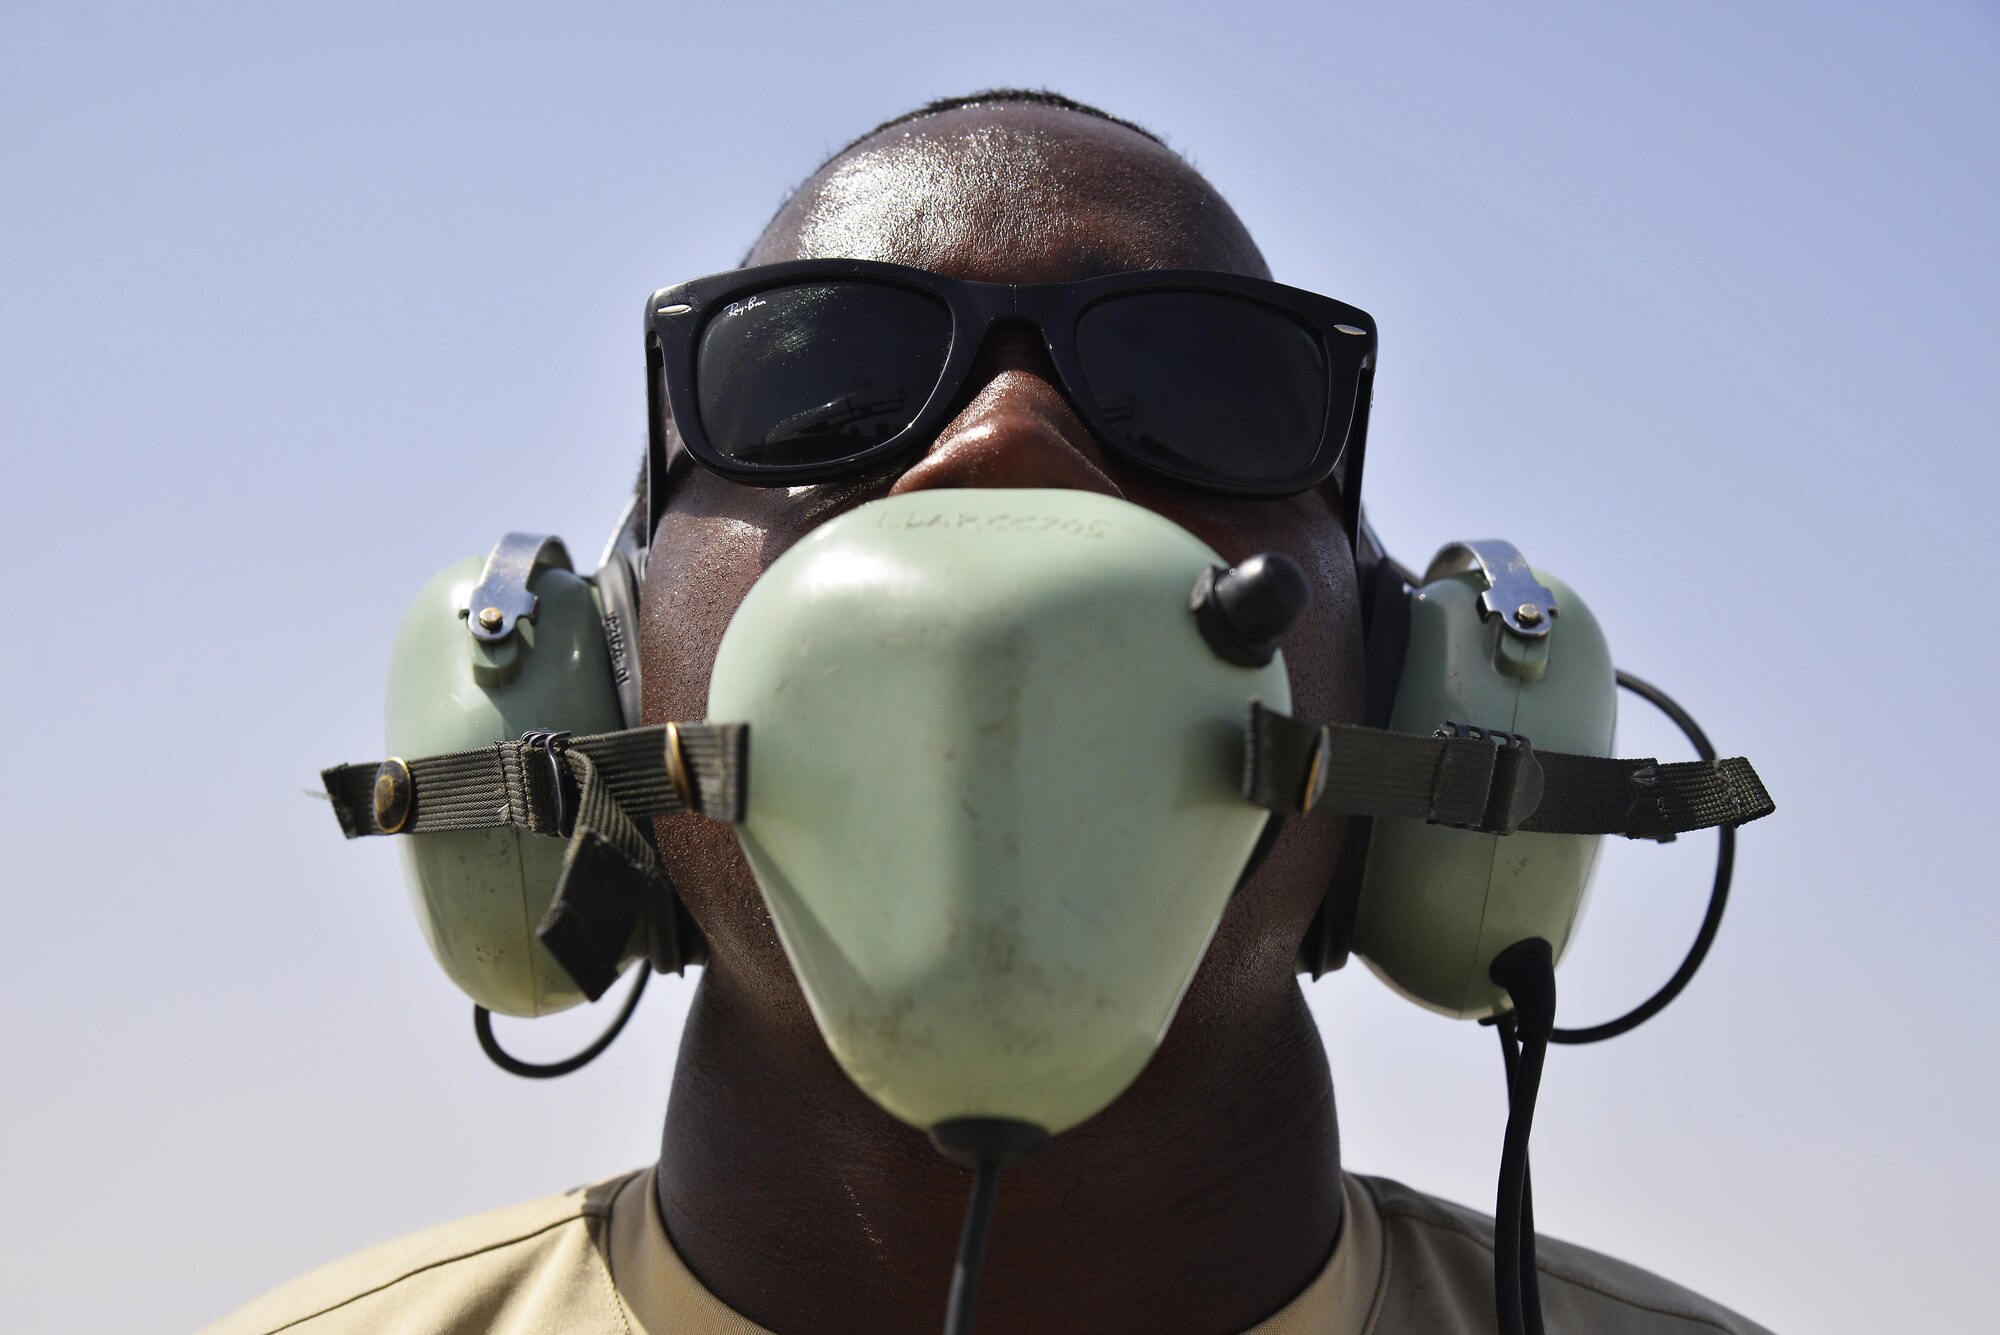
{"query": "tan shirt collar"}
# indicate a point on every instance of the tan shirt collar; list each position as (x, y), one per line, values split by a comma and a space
(664, 1297)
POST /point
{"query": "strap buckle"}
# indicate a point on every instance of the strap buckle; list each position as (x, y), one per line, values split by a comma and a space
(1516, 788)
(552, 745)
(1479, 734)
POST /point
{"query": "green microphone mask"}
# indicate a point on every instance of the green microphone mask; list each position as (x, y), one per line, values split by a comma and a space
(994, 794)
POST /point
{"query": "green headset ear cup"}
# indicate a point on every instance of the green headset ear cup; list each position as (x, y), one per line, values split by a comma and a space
(1437, 904)
(480, 893)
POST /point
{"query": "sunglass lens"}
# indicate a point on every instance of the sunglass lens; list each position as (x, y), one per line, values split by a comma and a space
(816, 372)
(1222, 387)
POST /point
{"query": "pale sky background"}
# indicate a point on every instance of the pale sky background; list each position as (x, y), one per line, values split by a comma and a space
(1696, 303)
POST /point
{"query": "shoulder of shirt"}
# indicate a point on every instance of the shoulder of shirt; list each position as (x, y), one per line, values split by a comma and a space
(483, 1272)
(1438, 1263)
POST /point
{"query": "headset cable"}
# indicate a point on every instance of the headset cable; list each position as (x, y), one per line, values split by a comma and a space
(482, 1025)
(985, 1145)
(1527, 970)
(1718, 895)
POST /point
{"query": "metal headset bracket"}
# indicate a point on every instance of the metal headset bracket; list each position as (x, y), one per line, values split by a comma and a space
(1523, 603)
(501, 599)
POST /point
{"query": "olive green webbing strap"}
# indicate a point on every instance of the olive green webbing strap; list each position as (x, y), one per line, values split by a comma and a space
(1490, 782)
(1643, 799)
(1495, 783)
(610, 871)
(464, 790)
(510, 783)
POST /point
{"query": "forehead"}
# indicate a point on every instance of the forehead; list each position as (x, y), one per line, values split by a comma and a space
(1016, 193)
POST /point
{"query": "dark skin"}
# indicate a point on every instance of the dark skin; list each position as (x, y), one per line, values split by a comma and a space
(1208, 1194)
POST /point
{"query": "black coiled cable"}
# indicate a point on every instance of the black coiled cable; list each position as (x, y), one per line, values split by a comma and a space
(482, 1025)
(1718, 895)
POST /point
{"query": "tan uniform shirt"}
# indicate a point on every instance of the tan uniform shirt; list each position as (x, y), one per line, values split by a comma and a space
(597, 1261)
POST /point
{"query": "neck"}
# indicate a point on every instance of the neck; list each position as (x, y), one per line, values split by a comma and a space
(1203, 1200)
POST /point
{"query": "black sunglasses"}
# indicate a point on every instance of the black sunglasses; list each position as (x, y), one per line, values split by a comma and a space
(812, 370)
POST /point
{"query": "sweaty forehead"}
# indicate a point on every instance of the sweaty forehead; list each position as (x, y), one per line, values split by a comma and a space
(1013, 193)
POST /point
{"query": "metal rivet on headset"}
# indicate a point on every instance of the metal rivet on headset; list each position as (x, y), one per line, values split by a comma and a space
(677, 767)
(395, 793)
(1529, 614)
(491, 617)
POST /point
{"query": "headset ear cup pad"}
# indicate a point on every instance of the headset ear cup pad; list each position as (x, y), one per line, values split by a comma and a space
(1385, 639)
(673, 942)
(617, 586)
(1385, 600)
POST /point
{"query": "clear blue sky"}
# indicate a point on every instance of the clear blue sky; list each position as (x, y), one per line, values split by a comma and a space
(1695, 303)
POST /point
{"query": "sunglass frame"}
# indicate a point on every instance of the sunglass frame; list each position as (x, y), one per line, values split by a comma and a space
(675, 317)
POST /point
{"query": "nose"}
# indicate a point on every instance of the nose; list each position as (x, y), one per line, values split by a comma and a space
(1016, 431)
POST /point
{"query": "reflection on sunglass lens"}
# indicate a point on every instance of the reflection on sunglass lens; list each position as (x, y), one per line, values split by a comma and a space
(817, 371)
(1205, 382)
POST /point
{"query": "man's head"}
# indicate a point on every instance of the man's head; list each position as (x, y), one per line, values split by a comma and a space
(1011, 187)
(1004, 188)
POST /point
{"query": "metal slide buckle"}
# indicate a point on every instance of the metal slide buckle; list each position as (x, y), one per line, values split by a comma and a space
(552, 745)
(1517, 784)
(677, 768)
(1479, 734)
(1316, 770)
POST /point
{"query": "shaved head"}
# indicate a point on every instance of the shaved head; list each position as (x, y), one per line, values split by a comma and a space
(984, 183)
